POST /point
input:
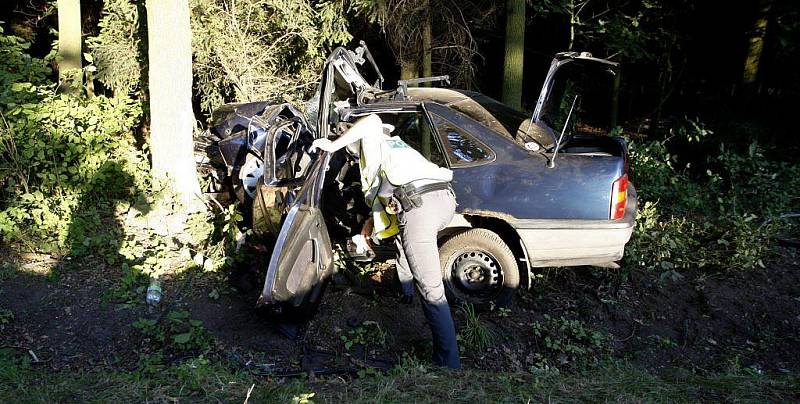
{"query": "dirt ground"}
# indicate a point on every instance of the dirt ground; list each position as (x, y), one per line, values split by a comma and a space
(696, 320)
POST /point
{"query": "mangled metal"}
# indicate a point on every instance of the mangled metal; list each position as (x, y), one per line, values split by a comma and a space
(305, 202)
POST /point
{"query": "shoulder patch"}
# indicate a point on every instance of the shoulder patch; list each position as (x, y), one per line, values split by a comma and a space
(397, 143)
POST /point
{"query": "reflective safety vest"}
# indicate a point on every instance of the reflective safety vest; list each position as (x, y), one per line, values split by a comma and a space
(385, 158)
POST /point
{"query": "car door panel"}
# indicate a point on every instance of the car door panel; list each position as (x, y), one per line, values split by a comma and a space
(302, 259)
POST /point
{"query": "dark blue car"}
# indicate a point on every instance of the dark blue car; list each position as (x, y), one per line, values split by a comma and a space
(544, 189)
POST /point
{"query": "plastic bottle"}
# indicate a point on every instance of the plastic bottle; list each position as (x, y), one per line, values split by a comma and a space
(154, 292)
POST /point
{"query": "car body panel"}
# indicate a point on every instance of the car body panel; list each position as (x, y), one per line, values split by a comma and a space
(341, 80)
(560, 214)
(576, 242)
(522, 186)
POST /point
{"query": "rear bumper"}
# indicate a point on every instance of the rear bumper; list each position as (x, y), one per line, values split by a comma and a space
(577, 242)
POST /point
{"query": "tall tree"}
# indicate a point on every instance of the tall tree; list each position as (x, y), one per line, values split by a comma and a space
(515, 47)
(170, 85)
(427, 40)
(69, 44)
(429, 37)
(756, 43)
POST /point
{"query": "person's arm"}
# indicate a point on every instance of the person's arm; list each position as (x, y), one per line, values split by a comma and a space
(368, 125)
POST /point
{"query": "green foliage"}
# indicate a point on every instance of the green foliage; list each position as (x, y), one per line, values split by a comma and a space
(474, 335)
(216, 237)
(305, 398)
(453, 49)
(116, 49)
(20, 74)
(6, 316)
(14, 369)
(177, 331)
(251, 50)
(561, 342)
(663, 342)
(636, 31)
(207, 379)
(64, 157)
(720, 218)
(368, 334)
(130, 288)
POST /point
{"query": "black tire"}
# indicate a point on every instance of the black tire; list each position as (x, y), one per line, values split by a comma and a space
(478, 268)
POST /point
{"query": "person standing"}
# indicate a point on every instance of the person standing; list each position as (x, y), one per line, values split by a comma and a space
(410, 195)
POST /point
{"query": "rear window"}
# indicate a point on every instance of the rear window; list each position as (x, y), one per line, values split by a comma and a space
(510, 118)
(461, 148)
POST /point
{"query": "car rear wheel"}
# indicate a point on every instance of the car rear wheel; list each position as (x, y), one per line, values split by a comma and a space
(478, 268)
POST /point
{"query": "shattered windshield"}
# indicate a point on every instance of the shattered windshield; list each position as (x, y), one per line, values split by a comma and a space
(312, 107)
(585, 89)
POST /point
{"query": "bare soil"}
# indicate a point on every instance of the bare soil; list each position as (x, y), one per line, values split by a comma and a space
(697, 320)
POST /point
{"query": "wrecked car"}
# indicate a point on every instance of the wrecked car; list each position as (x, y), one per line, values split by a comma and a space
(535, 190)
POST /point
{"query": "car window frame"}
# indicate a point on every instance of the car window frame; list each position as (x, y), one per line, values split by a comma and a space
(351, 114)
(461, 164)
(270, 158)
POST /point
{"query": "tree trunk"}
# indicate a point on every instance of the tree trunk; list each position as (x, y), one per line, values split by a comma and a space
(69, 44)
(427, 41)
(169, 52)
(615, 99)
(515, 46)
(572, 22)
(408, 69)
(756, 44)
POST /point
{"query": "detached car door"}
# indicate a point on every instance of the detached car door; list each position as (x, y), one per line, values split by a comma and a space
(302, 259)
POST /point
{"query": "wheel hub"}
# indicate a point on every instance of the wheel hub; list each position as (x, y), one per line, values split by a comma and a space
(476, 271)
(249, 174)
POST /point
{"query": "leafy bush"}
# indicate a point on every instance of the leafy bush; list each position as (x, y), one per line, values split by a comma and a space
(66, 160)
(561, 341)
(116, 49)
(176, 331)
(368, 334)
(718, 215)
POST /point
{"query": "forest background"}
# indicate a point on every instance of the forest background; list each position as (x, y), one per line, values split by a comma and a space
(707, 96)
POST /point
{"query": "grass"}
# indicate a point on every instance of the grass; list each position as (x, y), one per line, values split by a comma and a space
(200, 379)
(474, 335)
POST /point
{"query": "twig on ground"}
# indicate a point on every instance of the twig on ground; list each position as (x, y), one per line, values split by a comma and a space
(250, 390)
(21, 348)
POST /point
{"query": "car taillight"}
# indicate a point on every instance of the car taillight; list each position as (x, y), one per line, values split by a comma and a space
(619, 197)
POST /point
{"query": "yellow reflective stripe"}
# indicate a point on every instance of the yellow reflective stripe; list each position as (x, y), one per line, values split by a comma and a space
(391, 229)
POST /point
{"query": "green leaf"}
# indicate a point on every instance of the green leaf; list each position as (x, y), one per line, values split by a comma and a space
(182, 338)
